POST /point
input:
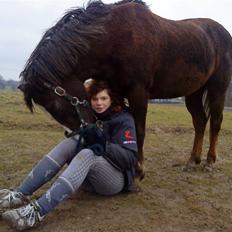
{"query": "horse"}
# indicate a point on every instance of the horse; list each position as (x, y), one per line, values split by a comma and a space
(142, 56)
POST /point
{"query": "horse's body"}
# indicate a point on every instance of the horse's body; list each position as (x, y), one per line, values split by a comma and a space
(143, 56)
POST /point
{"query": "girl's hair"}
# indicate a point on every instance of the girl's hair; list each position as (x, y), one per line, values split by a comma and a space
(93, 87)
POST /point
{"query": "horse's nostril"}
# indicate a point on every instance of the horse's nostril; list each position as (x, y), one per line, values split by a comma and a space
(21, 87)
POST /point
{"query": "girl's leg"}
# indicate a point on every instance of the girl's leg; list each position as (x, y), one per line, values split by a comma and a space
(104, 178)
(48, 166)
(68, 182)
(30, 215)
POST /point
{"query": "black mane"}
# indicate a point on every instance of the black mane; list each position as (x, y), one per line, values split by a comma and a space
(58, 52)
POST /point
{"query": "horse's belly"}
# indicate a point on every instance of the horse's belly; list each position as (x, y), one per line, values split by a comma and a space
(168, 93)
(172, 88)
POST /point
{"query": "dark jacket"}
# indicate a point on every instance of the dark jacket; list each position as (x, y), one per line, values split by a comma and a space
(121, 146)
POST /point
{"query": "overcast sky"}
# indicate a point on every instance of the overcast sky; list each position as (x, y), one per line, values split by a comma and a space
(23, 22)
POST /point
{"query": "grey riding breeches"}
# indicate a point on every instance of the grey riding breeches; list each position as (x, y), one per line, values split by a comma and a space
(86, 169)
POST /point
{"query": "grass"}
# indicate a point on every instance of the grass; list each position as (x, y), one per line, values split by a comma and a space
(170, 200)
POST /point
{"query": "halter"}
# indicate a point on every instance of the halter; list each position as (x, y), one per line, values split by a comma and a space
(58, 90)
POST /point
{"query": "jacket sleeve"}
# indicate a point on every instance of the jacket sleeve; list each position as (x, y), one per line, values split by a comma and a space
(122, 149)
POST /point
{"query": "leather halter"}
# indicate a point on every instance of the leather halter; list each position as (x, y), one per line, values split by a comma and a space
(58, 90)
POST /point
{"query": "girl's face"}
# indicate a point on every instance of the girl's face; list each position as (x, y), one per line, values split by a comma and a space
(101, 101)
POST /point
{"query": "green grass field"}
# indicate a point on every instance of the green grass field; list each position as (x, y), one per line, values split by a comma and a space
(170, 200)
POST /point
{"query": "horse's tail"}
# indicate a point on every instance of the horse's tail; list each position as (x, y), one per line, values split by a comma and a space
(205, 103)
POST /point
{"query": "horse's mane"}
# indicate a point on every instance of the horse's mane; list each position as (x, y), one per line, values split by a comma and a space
(58, 51)
(128, 1)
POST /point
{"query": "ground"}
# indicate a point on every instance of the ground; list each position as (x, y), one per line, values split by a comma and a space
(170, 200)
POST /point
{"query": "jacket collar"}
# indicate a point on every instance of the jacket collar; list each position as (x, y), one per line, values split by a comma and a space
(106, 115)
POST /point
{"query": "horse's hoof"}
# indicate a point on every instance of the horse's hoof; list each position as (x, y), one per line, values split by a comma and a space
(189, 167)
(136, 188)
(140, 173)
(207, 167)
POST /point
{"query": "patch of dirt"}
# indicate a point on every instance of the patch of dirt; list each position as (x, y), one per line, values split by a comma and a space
(174, 130)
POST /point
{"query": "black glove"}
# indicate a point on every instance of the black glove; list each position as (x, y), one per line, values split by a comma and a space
(97, 149)
(94, 137)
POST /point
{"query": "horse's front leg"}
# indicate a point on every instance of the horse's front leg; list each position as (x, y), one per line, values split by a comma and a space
(138, 99)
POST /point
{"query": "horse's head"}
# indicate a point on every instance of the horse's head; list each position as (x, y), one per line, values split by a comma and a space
(65, 101)
(65, 55)
(59, 60)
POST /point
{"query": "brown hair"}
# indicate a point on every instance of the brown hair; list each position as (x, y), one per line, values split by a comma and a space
(93, 87)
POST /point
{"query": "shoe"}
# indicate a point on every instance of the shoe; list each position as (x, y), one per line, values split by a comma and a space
(10, 199)
(23, 218)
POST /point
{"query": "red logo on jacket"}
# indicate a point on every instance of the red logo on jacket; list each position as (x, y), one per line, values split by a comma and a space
(128, 135)
(129, 138)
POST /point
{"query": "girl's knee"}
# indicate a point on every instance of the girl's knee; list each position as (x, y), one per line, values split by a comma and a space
(86, 151)
(84, 154)
(64, 151)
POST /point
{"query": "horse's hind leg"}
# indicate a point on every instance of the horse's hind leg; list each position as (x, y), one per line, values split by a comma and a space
(216, 112)
(196, 105)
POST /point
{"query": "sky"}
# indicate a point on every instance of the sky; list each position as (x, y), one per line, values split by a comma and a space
(23, 22)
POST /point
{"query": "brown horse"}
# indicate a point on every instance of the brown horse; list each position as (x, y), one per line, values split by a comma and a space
(142, 56)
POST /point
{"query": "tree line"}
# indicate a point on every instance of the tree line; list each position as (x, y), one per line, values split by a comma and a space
(8, 84)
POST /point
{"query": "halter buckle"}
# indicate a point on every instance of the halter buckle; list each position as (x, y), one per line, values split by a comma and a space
(74, 101)
(59, 91)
